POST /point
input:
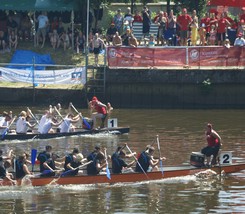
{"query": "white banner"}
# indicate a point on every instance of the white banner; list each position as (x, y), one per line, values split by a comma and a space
(68, 76)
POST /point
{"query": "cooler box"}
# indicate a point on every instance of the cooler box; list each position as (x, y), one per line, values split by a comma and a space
(197, 159)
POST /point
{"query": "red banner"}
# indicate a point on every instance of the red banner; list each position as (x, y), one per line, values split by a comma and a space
(175, 56)
(145, 57)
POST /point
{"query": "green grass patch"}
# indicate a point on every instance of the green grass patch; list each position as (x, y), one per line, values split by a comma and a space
(59, 56)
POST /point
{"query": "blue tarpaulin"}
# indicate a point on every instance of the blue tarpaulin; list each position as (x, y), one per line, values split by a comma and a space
(30, 57)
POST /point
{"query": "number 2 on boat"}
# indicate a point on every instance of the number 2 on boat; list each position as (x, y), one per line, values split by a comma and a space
(225, 157)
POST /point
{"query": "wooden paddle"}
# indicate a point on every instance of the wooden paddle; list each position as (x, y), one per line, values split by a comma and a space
(79, 167)
(29, 110)
(159, 150)
(84, 121)
(61, 116)
(137, 161)
(6, 130)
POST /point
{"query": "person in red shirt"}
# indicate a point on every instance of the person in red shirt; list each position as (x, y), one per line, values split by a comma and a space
(184, 21)
(214, 144)
(206, 21)
(229, 19)
(100, 111)
(242, 16)
(137, 17)
(221, 29)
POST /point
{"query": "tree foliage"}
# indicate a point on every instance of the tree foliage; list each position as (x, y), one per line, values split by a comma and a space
(198, 5)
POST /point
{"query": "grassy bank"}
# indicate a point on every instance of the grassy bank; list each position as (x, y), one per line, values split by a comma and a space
(59, 56)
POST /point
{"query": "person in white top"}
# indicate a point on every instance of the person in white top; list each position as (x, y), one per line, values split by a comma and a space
(23, 124)
(240, 41)
(66, 125)
(47, 127)
(43, 120)
(4, 122)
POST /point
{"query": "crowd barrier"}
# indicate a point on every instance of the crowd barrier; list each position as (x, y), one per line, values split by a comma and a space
(72, 75)
(196, 56)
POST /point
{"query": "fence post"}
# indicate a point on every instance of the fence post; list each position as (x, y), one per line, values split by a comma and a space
(33, 80)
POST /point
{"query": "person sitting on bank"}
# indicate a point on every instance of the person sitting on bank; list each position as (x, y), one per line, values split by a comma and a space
(23, 124)
(13, 40)
(132, 41)
(100, 111)
(111, 31)
(117, 40)
(119, 165)
(213, 147)
(4, 174)
(240, 41)
(146, 162)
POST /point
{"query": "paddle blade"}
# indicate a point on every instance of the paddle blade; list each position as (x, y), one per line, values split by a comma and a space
(86, 123)
(161, 167)
(4, 133)
(33, 157)
(108, 174)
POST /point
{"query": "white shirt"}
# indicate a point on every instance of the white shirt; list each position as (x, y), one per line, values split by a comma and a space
(239, 42)
(46, 127)
(42, 21)
(41, 123)
(3, 122)
(65, 125)
(21, 125)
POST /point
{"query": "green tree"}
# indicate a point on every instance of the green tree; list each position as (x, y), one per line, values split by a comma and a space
(198, 5)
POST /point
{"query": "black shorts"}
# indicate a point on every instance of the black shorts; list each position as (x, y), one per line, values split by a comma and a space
(221, 36)
(96, 50)
(208, 151)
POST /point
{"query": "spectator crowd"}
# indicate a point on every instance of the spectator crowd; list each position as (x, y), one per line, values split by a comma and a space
(172, 30)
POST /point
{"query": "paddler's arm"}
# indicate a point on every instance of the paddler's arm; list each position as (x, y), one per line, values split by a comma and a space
(26, 170)
(69, 166)
(45, 164)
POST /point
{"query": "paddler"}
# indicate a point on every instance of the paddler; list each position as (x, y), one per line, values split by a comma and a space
(4, 121)
(67, 124)
(23, 124)
(100, 111)
(213, 147)
(146, 161)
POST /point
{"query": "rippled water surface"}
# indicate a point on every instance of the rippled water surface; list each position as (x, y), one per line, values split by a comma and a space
(181, 132)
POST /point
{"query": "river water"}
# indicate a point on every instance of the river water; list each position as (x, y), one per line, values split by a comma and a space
(180, 131)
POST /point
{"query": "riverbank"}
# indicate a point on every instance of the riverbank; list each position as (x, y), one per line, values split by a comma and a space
(154, 88)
